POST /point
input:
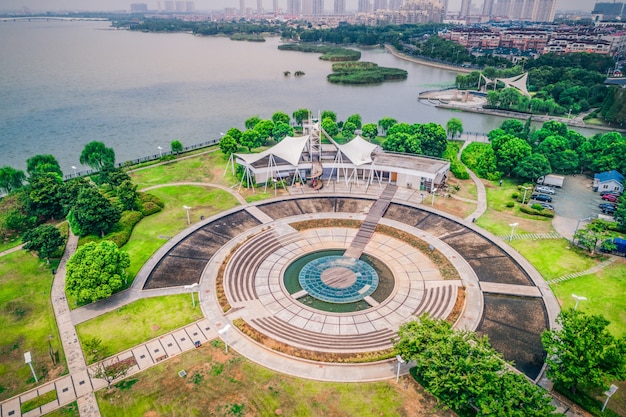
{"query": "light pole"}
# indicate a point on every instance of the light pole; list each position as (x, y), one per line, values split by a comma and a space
(432, 203)
(513, 226)
(187, 208)
(400, 362)
(569, 115)
(191, 287)
(578, 298)
(74, 169)
(609, 394)
(222, 331)
(578, 225)
(160, 151)
(524, 198)
(29, 361)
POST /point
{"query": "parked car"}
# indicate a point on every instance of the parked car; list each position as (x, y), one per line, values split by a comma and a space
(610, 197)
(607, 208)
(547, 206)
(541, 197)
(544, 189)
(609, 192)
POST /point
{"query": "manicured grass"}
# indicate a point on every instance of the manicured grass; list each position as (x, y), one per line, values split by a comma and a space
(10, 243)
(229, 385)
(554, 257)
(70, 410)
(27, 323)
(498, 223)
(142, 320)
(605, 295)
(37, 402)
(207, 167)
(153, 231)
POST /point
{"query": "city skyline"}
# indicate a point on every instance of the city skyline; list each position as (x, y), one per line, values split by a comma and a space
(124, 5)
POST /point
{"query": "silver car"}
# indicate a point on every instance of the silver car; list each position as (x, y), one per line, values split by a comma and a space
(545, 190)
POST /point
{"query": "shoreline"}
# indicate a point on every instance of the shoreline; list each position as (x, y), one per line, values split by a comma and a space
(428, 63)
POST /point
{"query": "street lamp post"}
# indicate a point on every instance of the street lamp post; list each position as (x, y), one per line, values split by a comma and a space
(578, 225)
(400, 362)
(187, 208)
(609, 394)
(525, 191)
(192, 287)
(513, 226)
(432, 203)
(29, 360)
(578, 298)
(160, 151)
(222, 332)
(74, 169)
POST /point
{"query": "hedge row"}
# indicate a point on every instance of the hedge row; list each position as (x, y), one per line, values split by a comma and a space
(529, 210)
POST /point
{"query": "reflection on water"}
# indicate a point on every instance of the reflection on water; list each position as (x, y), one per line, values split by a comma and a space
(383, 291)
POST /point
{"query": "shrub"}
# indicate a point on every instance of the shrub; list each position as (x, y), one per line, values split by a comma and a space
(124, 227)
(510, 204)
(537, 207)
(529, 210)
(515, 196)
(149, 204)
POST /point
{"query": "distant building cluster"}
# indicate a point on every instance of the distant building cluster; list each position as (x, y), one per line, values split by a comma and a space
(524, 10)
(538, 40)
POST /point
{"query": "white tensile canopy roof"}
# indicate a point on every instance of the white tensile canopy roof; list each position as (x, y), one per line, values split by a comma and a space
(289, 149)
(358, 151)
(519, 82)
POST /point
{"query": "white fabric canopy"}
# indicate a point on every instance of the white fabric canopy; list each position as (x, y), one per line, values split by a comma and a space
(289, 149)
(358, 151)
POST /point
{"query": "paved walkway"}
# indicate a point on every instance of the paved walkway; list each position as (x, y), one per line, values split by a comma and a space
(532, 236)
(480, 190)
(15, 249)
(589, 271)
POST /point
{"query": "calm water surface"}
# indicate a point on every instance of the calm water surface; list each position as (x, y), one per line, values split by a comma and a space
(64, 84)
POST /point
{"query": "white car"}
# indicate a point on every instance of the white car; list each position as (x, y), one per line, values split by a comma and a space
(545, 190)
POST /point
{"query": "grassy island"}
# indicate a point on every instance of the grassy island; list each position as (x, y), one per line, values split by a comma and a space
(329, 53)
(364, 73)
(246, 37)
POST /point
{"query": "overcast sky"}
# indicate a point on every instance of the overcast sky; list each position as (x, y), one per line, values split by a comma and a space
(105, 5)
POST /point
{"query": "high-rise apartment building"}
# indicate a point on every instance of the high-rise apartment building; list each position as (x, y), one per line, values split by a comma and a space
(380, 4)
(275, 6)
(531, 10)
(242, 7)
(364, 6)
(259, 7)
(294, 7)
(466, 6)
(138, 8)
(169, 5)
(190, 6)
(307, 7)
(488, 8)
(339, 7)
(180, 6)
(395, 5)
(318, 7)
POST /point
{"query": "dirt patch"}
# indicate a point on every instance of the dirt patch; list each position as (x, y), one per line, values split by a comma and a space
(313, 224)
(459, 304)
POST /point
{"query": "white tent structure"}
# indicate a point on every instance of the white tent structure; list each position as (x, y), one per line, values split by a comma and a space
(351, 156)
(518, 82)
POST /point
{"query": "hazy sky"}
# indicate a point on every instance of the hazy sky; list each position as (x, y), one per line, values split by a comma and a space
(586, 5)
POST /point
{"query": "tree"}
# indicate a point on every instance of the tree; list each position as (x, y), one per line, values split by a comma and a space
(596, 231)
(454, 127)
(265, 129)
(251, 139)
(176, 146)
(327, 114)
(110, 370)
(92, 213)
(348, 130)
(582, 351)
(126, 194)
(356, 119)
(46, 195)
(511, 153)
(45, 239)
(432, 137)
(369, 131)
(532, 167)
(330, 127)
(385, 123)
(97, 155)
(96, 271)
(281, 131)
(402, 142)
(301, 115)
(279, 116)
(251, 122)
(228, 145)
(235, 134)
(513, 127)
(11, 179)
(43, 163)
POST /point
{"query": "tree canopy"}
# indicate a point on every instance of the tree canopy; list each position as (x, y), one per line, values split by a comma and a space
(176, 146)
(92, 213)
(43, 163)
(45, 239)
(97, 156)
(11, 179)
(96, 271)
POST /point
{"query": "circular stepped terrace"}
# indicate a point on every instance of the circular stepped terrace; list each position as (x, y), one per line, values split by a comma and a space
(509, 306)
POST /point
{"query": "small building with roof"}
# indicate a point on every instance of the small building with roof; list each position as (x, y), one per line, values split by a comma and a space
(608, 181)
(306, 159)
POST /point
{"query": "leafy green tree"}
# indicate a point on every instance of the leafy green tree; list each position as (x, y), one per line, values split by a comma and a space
(402, 142)
(176, 146)
(596, 231)
(493, 98)
(369, 131)
(228, 145)
(11, 179)
(385, 123)
(251, 139)
(454, 127)
(513, 127)
(234, 133)
(110, 176)
(97, 156)
(17, 221)
(620, 211)
(330, 127)
(532, 167)
(126, 194)
(96, 271)
(280, 116)
(46, 196)
(45, 239)
(301, 115)
(511, 153)
(251, 122)
(92, 213)
(265, 129)
(582, 351)
(43, 163)
(327, 114)
(432, 137)
(348, 130)
(356, 119)
(281, 131)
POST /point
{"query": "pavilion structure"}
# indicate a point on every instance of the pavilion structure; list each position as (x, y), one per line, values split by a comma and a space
(518, 82)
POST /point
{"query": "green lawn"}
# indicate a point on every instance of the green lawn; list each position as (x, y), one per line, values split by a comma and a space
(554, 257)
(28, 323)
(142, 320)
(153, 231)
(70, 410)
(605, 295)
(229, 385)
